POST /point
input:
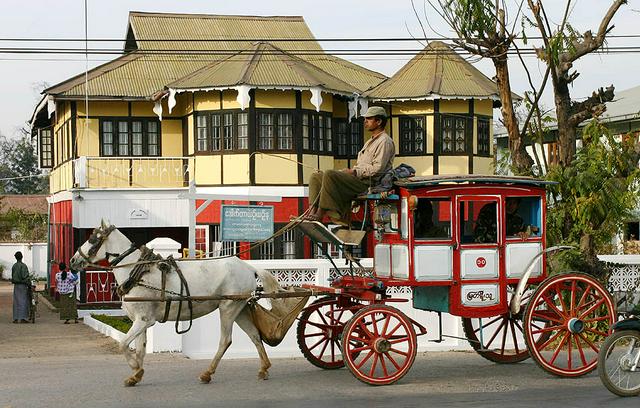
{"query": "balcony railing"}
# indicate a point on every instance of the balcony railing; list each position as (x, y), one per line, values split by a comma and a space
(135, 172)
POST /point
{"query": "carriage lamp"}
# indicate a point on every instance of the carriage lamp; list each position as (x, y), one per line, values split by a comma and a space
(413, 202)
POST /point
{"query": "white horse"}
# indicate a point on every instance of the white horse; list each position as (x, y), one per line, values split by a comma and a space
(212, 277)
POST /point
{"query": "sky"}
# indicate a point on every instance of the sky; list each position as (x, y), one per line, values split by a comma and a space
(22, 75)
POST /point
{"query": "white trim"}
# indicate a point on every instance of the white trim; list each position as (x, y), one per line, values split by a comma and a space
(60, 196)
(433, 97)
(282, 191)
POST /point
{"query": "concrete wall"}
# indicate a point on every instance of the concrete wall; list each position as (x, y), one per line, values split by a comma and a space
(35, 257)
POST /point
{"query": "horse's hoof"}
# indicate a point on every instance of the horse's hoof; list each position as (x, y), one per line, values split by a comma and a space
(130, 382)
(205, 378)
(263, 375)
(138, 375)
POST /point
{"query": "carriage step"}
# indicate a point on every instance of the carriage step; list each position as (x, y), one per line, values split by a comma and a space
(319, 233)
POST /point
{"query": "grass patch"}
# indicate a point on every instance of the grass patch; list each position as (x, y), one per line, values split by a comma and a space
(121, 323)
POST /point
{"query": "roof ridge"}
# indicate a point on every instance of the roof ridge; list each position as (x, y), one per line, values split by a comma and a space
(213, 16)
(308, 64)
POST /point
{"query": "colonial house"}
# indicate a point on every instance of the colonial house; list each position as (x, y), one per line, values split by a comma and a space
(238, 105)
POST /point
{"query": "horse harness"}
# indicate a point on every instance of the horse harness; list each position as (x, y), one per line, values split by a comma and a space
(165, 265)
(142, 266)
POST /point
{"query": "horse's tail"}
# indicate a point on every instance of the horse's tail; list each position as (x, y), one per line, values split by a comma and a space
(269, 282)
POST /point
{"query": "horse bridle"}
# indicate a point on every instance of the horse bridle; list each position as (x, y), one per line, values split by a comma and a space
(96, 239)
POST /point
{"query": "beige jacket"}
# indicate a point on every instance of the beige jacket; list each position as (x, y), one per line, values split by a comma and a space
(375, 158)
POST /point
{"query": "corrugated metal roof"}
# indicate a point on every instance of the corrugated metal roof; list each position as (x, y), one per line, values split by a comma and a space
(437, 71)
(154, 64)
(263, 65)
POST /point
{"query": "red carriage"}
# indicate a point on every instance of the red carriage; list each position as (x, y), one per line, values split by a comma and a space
(471, 246)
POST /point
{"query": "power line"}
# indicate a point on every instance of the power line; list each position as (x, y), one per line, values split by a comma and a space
(309, 52)
(348, 39)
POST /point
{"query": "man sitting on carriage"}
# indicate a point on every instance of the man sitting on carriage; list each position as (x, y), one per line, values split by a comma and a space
(333, 190)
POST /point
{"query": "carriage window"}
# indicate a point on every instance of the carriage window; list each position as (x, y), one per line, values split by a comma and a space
(478, 220)
(432, 218)
(523, 216)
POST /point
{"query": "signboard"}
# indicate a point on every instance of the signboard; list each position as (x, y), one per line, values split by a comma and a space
(247, 223)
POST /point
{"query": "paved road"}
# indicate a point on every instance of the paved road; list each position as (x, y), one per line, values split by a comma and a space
(54, 365)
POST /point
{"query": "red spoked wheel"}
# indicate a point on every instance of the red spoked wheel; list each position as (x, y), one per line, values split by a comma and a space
(379, 344)
(574, 311)
(320, 328)
(501, 338)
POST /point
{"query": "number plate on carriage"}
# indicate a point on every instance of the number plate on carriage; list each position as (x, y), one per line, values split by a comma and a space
(480, 295)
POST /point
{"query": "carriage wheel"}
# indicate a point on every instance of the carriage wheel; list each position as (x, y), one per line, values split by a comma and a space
(379, 345)
(575, 311)
(320, 330)
(503, 337)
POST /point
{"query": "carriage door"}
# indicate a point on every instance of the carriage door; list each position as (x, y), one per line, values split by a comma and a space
(476, 291)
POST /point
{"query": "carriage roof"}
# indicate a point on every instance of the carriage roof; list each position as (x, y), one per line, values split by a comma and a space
(424, 181)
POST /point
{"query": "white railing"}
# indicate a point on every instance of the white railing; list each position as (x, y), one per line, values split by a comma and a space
(139, 172)
(624, 280)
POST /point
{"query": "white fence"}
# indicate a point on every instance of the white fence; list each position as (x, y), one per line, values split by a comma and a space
(35, 257)
(624, 280)
(201, 341)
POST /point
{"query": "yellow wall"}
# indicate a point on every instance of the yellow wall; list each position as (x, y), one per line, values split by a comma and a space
(236, 168)
(483, 107)
(190, 130)
(157, 173)
(61, 178)
(395, 132)
(229, 100)
(326, 163)
(339, 164)
(454, 106)
(453, 165)
(474, 137)
(207, 100)
(412, 107)
(144, 109)
(423, 165)
(171, 137)
(207, 169)
(310, 164)
(184, 104)
(272, 170)
(275, 99)
(325, 106)
(104, 109)
(430, 133)
(483, 165)
(108, 173)
(88, 145)
(340, 109)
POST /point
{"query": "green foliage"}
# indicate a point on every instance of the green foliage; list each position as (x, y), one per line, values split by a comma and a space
(30, 227)
(594, 195)
(18, 159)
(473, 18)
(121, 323)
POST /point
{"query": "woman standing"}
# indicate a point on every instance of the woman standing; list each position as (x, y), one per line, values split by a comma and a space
(66, 285)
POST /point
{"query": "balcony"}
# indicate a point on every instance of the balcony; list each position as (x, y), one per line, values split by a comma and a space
(131, 172)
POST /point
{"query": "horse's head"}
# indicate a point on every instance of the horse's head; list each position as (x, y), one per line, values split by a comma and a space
(95, 249)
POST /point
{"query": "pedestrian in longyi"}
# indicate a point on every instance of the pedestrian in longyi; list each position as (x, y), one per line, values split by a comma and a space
(66, 285)
(21, 282)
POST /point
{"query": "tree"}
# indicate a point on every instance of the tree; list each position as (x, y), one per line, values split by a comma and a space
(595, 194)
(562, 47)
(481, 29)
(19, 167)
